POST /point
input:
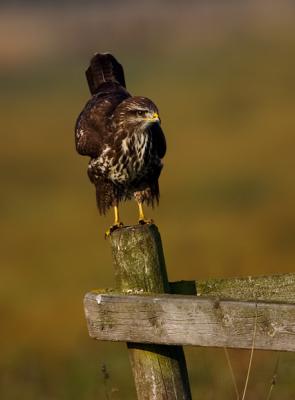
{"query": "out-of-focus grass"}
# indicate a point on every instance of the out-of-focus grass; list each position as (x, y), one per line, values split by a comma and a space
(227, 208)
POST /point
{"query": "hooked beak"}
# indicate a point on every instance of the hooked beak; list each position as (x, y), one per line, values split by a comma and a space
(154, 118)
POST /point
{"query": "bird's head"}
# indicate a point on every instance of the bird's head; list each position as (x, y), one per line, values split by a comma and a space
(138, 111)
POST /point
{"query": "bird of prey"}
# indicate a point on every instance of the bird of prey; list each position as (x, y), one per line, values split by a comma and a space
(122, 136)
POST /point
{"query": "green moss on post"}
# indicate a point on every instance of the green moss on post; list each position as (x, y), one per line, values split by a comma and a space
(139, 260)
(159, 371)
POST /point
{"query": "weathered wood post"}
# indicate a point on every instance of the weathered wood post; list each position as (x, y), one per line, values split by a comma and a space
(159, 371)
(221, 313)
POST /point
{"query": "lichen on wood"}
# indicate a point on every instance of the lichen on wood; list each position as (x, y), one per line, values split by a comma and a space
(265, 288)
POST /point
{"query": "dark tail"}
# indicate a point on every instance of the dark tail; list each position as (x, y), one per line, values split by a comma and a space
(104, 68)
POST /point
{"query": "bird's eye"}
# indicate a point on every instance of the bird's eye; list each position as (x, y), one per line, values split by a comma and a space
(140, 112)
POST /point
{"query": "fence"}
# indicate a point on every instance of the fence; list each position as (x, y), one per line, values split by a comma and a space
(156, 317)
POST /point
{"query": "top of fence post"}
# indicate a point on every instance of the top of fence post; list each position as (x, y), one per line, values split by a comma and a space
(138, 259)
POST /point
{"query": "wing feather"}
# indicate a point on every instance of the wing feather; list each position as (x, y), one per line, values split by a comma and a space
(93, 124)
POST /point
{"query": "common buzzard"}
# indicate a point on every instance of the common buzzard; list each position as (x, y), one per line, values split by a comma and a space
(122, 136)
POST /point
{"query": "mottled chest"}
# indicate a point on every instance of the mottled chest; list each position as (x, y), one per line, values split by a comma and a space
(135, 149)
(126, 159)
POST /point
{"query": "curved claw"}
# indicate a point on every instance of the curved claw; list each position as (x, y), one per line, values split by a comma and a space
(112, 229)
(145, 221)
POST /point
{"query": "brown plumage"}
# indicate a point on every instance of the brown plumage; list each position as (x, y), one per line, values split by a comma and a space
(122, 136)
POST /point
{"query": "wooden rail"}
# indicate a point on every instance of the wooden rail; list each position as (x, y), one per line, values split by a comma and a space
(265, 288)
(279, 287)
(156, 317)
(188, 320)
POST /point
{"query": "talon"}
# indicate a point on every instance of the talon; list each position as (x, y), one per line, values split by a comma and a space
(107, 233)
(142, 220)
(117, 223)
(145, 221)
(112, 229)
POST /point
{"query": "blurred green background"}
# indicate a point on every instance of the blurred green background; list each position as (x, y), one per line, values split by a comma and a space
(222, 75)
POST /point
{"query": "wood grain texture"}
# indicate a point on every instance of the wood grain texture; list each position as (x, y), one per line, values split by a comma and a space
(159, 371)
(189, 320)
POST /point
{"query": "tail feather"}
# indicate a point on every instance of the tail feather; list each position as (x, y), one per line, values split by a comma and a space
(104, 68)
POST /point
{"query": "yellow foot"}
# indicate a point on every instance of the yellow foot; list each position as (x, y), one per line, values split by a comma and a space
(112, 229)
(143, 221)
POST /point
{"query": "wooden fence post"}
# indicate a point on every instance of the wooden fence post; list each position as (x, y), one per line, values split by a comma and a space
(159, 371)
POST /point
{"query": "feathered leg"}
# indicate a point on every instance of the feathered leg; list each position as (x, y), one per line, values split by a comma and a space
(105, 199)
